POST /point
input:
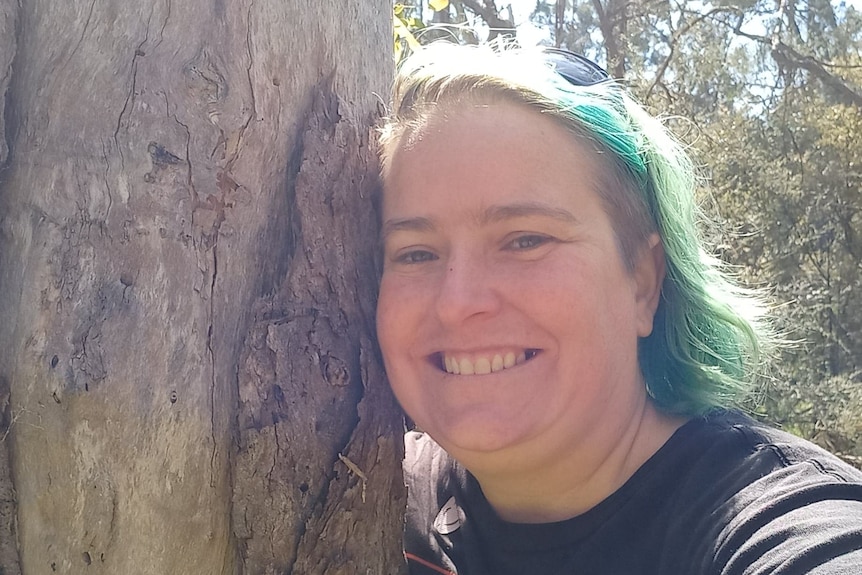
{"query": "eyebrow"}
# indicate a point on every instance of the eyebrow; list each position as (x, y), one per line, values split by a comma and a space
(493, 214)
(526, 209)
(406, 225)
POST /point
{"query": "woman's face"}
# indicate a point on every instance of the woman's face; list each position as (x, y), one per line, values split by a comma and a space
(506, 316)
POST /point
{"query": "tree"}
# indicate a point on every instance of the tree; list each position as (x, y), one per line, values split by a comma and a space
(186, 289)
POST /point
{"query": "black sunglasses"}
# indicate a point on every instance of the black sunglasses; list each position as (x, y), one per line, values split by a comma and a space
(576, 69)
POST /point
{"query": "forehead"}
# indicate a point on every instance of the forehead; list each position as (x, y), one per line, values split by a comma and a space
(504, 113)
(480, 155)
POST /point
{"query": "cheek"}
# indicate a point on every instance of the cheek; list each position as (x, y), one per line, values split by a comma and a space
(395, 328)
(580, 301)
(385, 317)
(394, 317)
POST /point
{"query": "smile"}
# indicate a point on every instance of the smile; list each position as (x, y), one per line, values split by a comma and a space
(477, 364)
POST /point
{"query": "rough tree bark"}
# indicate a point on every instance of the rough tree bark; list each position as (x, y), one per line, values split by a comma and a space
(8, 551)
(186, 289)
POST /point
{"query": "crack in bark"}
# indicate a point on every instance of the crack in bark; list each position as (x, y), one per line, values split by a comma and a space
(277, 452)
(130, 97)
(107, 184)
(234, 153)
(250, 59)
(212, 363)
(164, 25)
(188, 158)
(83, 32)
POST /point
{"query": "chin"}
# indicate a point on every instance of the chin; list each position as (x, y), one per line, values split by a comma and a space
(474, 436)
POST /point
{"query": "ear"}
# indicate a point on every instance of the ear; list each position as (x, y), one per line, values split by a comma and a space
(649, 276)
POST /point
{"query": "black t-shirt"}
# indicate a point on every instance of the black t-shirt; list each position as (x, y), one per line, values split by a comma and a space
(724, 496)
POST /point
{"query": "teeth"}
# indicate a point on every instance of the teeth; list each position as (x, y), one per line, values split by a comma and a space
(485, 365)
(452, 365)
(467, 367)
(497, 364)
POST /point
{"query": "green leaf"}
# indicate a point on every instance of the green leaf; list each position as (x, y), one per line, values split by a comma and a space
(403, 33)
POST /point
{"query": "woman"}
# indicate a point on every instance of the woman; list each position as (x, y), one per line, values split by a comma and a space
(550, 320)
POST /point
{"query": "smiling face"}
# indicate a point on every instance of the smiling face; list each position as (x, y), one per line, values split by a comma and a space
(507, 318)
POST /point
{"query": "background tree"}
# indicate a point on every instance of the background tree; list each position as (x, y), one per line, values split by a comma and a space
(187, 363)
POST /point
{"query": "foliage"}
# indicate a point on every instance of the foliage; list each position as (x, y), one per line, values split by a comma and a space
(404, 24)
(462, 21)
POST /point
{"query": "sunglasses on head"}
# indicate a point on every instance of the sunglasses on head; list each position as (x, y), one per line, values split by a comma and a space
(576, 69)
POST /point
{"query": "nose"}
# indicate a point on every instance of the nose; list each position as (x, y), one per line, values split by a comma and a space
(467, 290)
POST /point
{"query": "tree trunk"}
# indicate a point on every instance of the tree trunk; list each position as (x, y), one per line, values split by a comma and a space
(187, 289)
(559, 22)
(613, 24)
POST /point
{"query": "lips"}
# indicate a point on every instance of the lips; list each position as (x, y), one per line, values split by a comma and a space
(483, 363)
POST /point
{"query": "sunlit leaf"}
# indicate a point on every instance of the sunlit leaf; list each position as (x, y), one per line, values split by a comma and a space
(404, 33)
(438, 5)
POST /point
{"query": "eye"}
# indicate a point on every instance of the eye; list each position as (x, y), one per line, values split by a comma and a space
(414, 257)
(527, 242)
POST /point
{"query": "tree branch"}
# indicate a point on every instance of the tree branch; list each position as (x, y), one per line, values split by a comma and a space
(488, 12)
(674, 38)
(789, 58)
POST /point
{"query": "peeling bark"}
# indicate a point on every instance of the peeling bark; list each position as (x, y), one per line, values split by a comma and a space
(8, 44)
(9, 562)
(185, 230)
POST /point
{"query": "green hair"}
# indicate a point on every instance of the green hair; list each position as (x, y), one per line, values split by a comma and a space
(708, 334)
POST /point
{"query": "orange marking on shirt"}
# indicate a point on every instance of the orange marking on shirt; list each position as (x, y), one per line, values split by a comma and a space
(428, 564)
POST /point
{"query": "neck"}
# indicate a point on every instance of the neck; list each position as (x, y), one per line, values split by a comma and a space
(525, 490)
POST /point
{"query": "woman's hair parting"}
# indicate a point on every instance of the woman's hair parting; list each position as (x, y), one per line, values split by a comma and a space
(709, 335)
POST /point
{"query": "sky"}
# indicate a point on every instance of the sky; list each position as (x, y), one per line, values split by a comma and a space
(530, 35)
(527, 33)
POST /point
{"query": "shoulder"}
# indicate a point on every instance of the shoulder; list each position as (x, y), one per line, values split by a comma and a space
(745, 463)
(767, 456)
(783, 504)
(733, 436)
